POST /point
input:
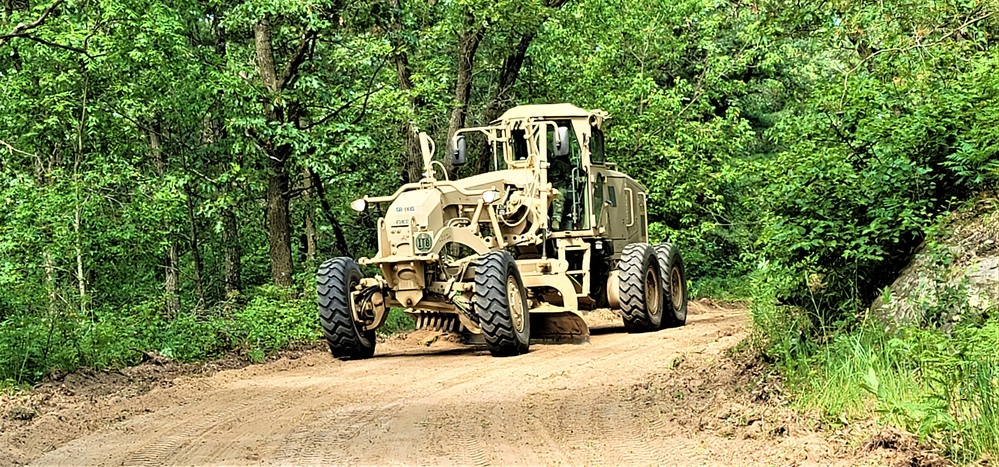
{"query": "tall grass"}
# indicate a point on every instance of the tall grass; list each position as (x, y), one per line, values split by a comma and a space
(941, 386)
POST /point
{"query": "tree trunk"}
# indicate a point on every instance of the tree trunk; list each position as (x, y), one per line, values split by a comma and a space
(509, 73)
(171, 270)
(278, 225)
(170, 284)
(77, 217)
(278, 216)
(468, 43)
(501, 98)
(233, 253)
(195, 245)
(341, 240)
(310, 225)
(50, 282)
(265, 55)
(412, 162)
(413, 157)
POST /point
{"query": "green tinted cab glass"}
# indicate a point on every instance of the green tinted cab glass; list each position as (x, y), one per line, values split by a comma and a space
(596, 145)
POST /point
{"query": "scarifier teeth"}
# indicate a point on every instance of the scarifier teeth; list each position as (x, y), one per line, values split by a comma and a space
(441, 322)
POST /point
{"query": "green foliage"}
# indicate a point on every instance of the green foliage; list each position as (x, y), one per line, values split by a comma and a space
(729, 289)
(396, 322)
(941, 387)
(936, 379)
(271, 321)
(888, 134)
(687, 85)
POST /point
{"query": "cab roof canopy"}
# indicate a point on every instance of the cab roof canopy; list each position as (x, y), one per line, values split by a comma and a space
(544, 111)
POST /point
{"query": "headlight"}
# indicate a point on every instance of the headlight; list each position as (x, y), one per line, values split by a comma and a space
(490, 196)
(359, 205)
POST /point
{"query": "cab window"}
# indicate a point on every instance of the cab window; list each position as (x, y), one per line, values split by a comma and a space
(519, 145)
(596, 146)
(499, 151)
(568, 176)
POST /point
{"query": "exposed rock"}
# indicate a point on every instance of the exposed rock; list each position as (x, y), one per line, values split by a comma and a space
(954, 275)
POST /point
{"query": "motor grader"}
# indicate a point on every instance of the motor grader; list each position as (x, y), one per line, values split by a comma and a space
(515, 254)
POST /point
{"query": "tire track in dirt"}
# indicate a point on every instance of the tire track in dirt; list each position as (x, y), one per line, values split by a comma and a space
(155, 453)
(557, 405)
(475, 454)
(147, 440)
(323, 441)
(602, 430)
(499, 394)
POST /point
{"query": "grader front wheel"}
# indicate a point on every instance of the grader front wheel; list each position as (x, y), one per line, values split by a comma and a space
(334, 282)
(501, 305)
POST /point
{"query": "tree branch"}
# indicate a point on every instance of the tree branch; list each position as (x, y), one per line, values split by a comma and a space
(58, 46)
(21, 29)
(290, 73)
(12, 149)
(917, 45)
(367, 95)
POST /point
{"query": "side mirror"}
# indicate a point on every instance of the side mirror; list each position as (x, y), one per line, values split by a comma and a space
(561, 143)
(458, 149)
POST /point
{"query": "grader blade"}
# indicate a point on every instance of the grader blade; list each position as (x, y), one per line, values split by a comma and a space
(559, 328)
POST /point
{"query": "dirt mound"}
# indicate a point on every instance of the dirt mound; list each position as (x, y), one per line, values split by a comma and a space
(741, 401)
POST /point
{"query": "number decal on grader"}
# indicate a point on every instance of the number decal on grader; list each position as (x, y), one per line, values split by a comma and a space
(424, 242)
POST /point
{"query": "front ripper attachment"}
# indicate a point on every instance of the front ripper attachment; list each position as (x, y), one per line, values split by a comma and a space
(559, 328)
(441, 322)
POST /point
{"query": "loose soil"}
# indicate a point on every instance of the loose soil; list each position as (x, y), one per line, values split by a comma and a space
(671, 397)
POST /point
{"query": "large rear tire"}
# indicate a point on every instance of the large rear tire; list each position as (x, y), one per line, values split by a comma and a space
(335, 280)
(641, 289)
(501, 304)
(674, 285)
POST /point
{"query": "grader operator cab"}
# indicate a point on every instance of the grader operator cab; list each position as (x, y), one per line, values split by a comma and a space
(516, 254)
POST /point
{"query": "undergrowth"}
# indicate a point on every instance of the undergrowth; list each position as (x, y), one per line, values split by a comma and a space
(396, 322)
(270, 318)
(266, 320)
(726, 289)
(941, 386)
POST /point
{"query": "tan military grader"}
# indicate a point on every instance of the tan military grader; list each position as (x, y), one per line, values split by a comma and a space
(518, 253)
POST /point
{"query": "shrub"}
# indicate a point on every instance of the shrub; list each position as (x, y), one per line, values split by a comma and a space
(271, 321)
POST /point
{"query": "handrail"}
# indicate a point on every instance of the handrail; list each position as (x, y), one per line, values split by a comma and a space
(417, 185)
(631, 205)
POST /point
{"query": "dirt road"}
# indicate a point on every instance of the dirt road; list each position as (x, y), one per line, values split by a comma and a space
(601, 403)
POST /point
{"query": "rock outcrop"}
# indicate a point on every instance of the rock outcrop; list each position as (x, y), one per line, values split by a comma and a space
(954, 275)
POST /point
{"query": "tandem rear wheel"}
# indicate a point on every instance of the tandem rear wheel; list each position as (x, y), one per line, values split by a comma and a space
(652, 287)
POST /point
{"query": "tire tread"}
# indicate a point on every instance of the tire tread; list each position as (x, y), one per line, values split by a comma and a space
(492, 307)
(635, 259)
(333, 280)
(668, 256)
